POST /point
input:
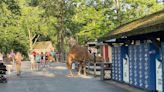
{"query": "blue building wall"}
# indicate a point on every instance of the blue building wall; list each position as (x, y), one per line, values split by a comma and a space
(142, 64)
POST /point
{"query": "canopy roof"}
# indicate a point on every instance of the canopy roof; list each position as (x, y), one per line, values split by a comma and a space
(42, 45)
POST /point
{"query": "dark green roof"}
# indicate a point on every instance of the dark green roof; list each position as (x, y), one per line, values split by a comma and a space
(150, 23)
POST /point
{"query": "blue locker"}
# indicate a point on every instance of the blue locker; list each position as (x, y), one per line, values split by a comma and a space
(141, 66)
(162, 67)
(158, 61)
(113, 63)
(118, 53)
(134, 66)
(131, 64)
(119, 64)
(150, 52)
(137, 66)
(116, 63)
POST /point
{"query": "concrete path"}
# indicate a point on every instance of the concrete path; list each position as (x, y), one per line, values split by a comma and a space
(53, 79)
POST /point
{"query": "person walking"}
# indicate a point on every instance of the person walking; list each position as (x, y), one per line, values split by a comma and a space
(32, 61)
(1, 57)
(57, 57)
(46, 58)
(38, 59)
(18, 59)
(9, 63)
(53, 54)
(12, 55)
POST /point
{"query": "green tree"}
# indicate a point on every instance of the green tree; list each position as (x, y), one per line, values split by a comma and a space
(97, 17)
(33, 22)
(62, 11)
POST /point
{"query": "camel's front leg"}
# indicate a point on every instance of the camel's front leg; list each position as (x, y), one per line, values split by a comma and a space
(80, 67)
(69, 66)
(71, 73)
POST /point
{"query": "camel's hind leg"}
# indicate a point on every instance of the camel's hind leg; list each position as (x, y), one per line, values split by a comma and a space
(85, 70)
(80, 67)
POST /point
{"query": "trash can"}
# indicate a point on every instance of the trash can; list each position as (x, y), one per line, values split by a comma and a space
(106, 71)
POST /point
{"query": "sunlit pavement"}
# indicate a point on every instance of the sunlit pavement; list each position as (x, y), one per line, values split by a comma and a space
(53, 79)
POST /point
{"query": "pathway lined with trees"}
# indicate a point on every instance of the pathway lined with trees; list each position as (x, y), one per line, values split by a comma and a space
(24, 22)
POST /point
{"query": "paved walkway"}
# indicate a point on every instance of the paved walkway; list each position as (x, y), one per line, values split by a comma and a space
(53, 79)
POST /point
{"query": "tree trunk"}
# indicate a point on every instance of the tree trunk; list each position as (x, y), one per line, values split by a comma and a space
(31, 38)
(62, 31)
(118, 10)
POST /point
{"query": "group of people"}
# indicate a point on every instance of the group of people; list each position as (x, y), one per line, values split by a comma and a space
(37, 60)
(40, 59)
(12, 59)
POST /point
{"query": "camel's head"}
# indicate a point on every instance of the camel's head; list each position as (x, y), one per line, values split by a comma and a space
(98, 58)
(72, 42)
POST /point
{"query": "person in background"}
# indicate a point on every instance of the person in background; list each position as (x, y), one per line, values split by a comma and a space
(57, 56)
(53, 54)
(38, 60)
(42, 59)
(46, 58)
(8, 63)
(1, 57)
(18, 59)
(12, 55)
(32, 61)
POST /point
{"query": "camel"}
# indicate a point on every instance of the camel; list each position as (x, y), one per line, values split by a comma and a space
(79, 54)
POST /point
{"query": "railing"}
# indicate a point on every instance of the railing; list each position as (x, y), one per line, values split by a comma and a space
(94, 68)
(100, 69)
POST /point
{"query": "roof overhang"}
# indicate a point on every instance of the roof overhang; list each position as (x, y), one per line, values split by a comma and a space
(145, 25)
(91, 44)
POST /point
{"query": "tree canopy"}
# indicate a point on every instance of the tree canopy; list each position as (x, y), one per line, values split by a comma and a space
(24, 22)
